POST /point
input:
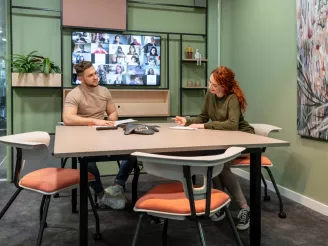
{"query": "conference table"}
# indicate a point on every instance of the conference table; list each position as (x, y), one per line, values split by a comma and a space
(88, 144)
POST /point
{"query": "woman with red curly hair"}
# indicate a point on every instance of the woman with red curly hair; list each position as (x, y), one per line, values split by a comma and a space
(224, 105)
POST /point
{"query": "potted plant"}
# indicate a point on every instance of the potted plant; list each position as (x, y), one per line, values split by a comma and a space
(34, 70)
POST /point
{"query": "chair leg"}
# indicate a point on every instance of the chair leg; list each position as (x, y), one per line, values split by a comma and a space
(166, 221)
(94, 210)
(63, 162)
(43, 220)
(42, 206)
(96, 200)
(232, 225)
(281, 214)
(135, 183)
(266, 197)
(42, 210)
(118, 164)
(12, 199)
(136, 233)
(193, 178)
(200, 232)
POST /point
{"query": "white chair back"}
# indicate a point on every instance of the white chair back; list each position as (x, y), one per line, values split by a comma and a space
(171, 167)
(34, 145)
(265, 129)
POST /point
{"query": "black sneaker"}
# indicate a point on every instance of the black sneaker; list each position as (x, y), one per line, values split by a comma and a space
(244, 218)
(218, 216)
(153, 220)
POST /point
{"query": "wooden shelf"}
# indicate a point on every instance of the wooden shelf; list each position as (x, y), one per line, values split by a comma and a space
(138, 103)
(36, 80)
(37, 87)
(193, 60)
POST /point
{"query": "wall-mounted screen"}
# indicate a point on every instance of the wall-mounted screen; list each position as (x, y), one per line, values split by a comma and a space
(119, 59)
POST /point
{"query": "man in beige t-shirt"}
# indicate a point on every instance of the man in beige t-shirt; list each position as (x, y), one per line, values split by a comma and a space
(85, 105)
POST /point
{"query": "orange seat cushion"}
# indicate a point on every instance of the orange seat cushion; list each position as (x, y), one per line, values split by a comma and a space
(265, 161)
(170, 198)
(52, 179)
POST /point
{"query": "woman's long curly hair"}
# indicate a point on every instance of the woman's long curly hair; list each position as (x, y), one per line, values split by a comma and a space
(226, 78)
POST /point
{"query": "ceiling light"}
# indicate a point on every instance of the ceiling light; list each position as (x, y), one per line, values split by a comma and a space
(4, 40)
(0, 31)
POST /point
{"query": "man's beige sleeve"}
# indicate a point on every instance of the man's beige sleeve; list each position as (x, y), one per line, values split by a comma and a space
(71, 100)
(109, 97)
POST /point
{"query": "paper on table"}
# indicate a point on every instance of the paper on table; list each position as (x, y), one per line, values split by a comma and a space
(119, 122)
(124, 121)
(182, 128)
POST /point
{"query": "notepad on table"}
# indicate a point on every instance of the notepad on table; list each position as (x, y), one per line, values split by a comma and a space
(182, 128)
(118, 122)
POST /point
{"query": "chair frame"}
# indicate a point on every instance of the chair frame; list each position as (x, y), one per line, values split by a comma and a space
(282, 214)
(136, 173)
(265, 130)
(193, 216)
(44, 203)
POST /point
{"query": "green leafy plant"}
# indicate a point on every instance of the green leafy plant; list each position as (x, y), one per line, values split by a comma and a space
(26, 63)
(33, 63)
(48, 66)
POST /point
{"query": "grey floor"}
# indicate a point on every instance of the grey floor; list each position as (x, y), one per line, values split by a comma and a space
(3, 158)
(20, 224)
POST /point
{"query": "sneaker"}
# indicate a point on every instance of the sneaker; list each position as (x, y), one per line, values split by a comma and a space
(114, 190)
(114, 202)
(244, 218)
(155, 220)
(114, 197)
(218, 216)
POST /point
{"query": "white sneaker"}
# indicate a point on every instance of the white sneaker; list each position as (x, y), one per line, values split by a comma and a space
(114, 202)
(114, 190)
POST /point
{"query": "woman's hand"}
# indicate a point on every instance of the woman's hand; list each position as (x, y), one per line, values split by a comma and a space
(197, 126)
(180, 120)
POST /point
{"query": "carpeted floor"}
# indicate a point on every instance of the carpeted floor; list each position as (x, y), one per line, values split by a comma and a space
(20, 224)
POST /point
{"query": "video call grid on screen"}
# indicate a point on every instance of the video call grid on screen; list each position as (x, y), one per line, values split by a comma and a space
(119, 59)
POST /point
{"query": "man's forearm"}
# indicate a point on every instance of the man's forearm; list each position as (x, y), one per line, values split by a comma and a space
(113, 116)
(75, 120)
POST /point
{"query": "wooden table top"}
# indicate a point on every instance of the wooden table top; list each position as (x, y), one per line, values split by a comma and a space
(81, 141)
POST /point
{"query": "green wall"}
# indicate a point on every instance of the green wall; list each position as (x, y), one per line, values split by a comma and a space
(40, 109)
(259, 44)
(36, 109)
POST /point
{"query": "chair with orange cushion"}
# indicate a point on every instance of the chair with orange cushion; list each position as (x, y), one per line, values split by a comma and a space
(181, 200)
(46, 181)
(263, 130)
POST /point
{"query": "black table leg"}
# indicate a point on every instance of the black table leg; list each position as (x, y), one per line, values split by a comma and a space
(74, 191)
(83, 228)
(135, 183)
(255, 197)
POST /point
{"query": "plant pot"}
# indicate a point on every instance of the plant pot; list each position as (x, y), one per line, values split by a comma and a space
(190, 83)
(36, 80)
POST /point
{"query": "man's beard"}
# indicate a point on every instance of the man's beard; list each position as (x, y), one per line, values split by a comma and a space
(92, 85)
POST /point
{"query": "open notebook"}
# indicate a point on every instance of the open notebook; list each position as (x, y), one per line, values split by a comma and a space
(182, 128)
(118, 122)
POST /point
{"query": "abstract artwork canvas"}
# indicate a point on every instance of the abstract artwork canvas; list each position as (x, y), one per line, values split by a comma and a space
(312, 61)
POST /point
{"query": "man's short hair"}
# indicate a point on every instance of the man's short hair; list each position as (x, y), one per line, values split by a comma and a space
(82, 66)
